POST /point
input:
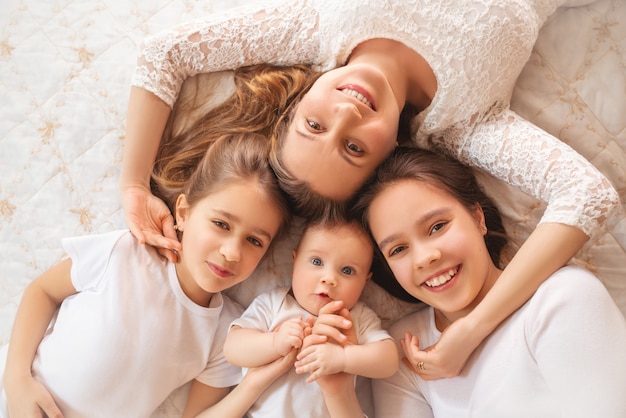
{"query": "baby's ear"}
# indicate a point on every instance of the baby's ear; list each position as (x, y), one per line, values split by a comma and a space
(182, 211)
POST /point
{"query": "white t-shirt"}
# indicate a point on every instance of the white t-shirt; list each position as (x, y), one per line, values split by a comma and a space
(562, 354)
(290, 395)
(130, 336)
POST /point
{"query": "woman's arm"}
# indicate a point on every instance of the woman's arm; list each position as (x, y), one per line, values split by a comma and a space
(280, 34)
(40, 301)
(579, 200)
(147, 216)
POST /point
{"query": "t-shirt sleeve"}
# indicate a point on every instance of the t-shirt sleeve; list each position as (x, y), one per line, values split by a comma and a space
(578, 338)
(219, 372)
(369, 326)
(90, 256)
(278, 32)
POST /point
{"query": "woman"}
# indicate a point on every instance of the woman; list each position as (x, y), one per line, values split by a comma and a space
(453, 64)
(560, 354)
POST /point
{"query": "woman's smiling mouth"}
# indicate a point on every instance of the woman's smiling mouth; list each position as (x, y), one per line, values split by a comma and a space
(358, 93)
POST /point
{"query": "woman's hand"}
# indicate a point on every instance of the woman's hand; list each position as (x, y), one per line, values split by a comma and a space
(27, 397)
(446, 358)
(150, 221)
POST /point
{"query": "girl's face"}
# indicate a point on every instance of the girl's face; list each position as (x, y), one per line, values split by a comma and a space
(434, 245)
(342, 129)
(331, 265)
(225, 235)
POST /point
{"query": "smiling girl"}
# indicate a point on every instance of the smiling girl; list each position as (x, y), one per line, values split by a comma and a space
(560, 354)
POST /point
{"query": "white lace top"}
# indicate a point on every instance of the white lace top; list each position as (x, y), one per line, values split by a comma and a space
(476, 48)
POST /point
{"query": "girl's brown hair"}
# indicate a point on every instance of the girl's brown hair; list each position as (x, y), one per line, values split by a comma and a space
(234, 158)
(442, 172)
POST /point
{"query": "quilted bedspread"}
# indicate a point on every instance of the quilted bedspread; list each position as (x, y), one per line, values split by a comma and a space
(65, 68)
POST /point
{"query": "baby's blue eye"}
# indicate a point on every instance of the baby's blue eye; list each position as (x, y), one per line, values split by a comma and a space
(316, 261)
(347, 270)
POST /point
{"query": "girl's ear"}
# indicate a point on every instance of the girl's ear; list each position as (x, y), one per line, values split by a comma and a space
(182, 211)
(479, 215)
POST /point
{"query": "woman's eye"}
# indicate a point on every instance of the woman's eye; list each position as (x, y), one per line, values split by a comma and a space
(314, 125)
(353, 148)
(255, 242)
(316, 261)
(347, 270)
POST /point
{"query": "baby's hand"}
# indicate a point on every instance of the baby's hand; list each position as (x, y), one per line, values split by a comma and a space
(289, 335)
(335, 322)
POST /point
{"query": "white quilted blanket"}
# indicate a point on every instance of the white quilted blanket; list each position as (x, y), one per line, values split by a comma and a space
(65, 68)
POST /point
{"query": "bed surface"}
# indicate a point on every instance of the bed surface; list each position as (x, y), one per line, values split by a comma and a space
(65, 69)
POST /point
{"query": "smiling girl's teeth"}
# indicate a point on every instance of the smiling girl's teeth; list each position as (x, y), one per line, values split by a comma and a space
(441, 279)
(358, 96)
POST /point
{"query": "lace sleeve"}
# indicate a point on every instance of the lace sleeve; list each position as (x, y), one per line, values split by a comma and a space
(518, 152)
(282, 33)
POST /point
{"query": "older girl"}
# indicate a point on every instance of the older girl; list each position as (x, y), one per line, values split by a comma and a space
(560, 354)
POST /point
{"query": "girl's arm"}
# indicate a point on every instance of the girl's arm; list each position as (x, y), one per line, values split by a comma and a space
(280, 34)
(40, 301)
(579, 200)
(329, 358)
(213, 403)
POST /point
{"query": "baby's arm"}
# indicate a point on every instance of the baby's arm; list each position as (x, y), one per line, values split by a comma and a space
(40, 301)
(246, 347)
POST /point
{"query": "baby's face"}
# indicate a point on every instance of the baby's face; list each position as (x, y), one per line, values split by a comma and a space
(331, 264)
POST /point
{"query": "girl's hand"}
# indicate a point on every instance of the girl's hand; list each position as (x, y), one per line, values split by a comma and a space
(263, 376)
(321, 360)
(150, 221)
(446, 358)
(27, 397)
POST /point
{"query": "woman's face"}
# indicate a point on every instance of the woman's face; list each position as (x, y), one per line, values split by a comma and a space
(434, 245)
(341, 130)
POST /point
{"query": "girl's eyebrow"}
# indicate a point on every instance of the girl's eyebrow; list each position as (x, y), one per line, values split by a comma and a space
(233, 218)
(421, 220)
